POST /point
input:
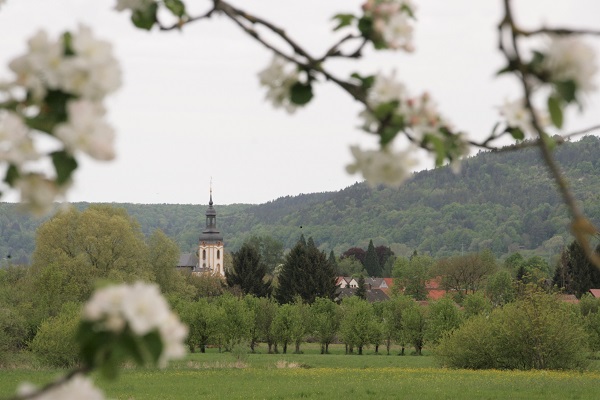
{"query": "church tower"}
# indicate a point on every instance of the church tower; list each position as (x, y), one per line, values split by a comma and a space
(210, 244)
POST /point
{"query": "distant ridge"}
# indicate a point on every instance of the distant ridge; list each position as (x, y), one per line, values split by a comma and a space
(504, 201)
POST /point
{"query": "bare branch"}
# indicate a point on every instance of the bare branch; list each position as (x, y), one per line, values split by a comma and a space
(559, 31)
(186, 20)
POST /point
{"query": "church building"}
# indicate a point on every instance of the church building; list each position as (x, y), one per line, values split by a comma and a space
(209, 256)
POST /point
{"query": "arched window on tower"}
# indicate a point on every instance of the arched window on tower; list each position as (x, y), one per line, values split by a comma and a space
(204, 254)
(218, 254)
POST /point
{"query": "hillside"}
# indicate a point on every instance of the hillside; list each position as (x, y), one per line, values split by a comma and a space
(500, 200)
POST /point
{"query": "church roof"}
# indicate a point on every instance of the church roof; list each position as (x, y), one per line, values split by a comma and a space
(187, 260)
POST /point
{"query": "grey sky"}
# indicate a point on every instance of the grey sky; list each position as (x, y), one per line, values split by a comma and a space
(191, 106)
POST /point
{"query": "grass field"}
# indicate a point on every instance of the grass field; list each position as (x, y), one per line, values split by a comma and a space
(333, 376)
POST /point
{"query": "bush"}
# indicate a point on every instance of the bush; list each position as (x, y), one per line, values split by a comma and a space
(537, 332)
(54, 344)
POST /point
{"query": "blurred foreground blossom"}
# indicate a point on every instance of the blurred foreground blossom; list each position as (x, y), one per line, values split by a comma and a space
(140, 310)
(382, 166)
(77, 388)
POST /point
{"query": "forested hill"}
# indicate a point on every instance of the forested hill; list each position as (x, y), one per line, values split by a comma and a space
(500, 200)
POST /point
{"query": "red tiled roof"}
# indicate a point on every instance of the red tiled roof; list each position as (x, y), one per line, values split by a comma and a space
(436, 294)
(568, 298)
(433, 283)
(595, 292)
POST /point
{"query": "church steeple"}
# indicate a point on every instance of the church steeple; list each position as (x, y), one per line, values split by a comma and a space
(210, 243)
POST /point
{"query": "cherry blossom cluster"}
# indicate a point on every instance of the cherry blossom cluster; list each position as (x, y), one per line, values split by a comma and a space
(140, 309)
(58, 89)
(392, 23)
(80, 387)
(279, 78)
(390, 103)
(419, 114)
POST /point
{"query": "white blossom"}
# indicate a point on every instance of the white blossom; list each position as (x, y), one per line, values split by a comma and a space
(38, 192)
(397, 33)
(38, 69)
(570, 58)
(382, 166)
(91, 72)
(518, 116)
(16, 146)
(392, 22)
(278, 78)
(143, 309)
(77, 388)
(86, 130)
(386, 89)
(133, 5)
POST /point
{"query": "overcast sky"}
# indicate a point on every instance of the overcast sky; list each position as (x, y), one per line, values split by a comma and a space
(191, 107)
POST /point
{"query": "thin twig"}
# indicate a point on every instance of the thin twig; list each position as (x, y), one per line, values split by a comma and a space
(186, 20)
(559, 31)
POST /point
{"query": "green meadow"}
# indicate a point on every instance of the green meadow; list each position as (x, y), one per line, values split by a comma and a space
(333, 376)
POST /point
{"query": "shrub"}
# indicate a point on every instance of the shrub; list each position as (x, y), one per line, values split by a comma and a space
(54, 344)
(537, 332)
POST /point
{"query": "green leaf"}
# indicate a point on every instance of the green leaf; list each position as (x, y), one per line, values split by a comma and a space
(507, 69)
(408, 10)
(145, 18)
(365, 26)
(56, 101)
(437, 144)
(68, 44)
(388, 134)
(549, 141)
(12, 174)
(343, 20)
(384, 111)
(366, 82)
(176, 7)
(555, 110)
(301, 93)
(65, 164)
(154, 345)
(132, 346)
(567, 90)
(516, 133)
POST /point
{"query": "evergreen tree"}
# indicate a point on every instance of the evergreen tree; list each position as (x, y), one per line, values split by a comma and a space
(576, 274)
(322, 272)
(248, 272)
(361, 291)
(306, 273)
(372, 261)
(333, 262)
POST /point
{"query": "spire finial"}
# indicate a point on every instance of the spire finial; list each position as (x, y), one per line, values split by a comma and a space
(210, 203)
